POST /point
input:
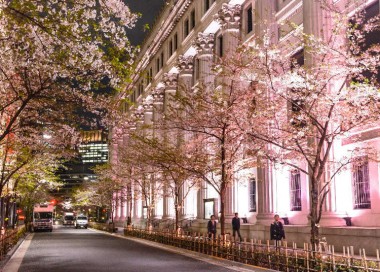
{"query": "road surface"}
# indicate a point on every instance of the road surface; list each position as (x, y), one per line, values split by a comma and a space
(67, 250)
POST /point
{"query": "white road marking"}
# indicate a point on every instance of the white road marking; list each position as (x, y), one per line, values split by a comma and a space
(15, 261)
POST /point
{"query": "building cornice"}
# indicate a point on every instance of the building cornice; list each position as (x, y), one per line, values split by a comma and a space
(161, 32)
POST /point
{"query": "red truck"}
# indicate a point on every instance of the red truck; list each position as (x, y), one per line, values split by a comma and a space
(43, 217)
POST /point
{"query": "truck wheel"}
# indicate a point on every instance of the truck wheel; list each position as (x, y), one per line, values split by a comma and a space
(50, 230)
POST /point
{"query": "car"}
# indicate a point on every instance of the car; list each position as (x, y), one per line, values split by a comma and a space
(81, 221)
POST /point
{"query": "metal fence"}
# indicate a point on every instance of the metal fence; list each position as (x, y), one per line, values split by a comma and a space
(9, 239)
(254, 252)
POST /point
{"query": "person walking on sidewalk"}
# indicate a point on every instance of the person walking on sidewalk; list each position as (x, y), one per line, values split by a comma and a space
(236, 227)
(277, 232)
(211, 227)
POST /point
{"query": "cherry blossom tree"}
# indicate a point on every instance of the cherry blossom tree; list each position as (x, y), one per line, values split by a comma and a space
(206, 117)
(303, 106)
(171, 162)
(139, 173)
(55, 59)
(34, 184)
(25, 159)
(104, 192)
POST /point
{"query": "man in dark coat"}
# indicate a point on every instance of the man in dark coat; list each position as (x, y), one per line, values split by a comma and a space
(277, 232)
(211, 227)
(236, 227)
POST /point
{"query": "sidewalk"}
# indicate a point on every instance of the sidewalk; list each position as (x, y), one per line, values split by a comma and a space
(235, 266)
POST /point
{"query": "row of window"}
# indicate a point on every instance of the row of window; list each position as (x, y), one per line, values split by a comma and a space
(360, 188)
(248, 19)
(189, 24)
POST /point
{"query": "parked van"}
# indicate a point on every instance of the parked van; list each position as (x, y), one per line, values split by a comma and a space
(81, 221)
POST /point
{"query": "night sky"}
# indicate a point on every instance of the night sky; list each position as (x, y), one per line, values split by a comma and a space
(149, 10)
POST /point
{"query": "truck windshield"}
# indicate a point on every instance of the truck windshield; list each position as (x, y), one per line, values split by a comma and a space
(82, 218)
(43, 215)
(69, 217)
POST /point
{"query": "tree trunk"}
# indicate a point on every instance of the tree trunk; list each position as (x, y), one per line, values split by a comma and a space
(222, 210)
(176, 207)
(314, 203)
(130, 202)
(7, 211)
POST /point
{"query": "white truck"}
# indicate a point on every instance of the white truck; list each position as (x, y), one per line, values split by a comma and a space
(43, 217)
(68, 218)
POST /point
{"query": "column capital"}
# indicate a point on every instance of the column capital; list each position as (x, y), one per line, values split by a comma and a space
(229, 16)
(148, 104)
(130, 125)
(139, 114)
(158, 94)
(185, 64)
(170, 80)
(205, 43)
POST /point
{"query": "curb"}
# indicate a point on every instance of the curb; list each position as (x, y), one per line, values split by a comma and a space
(10, 253)
(232, 265)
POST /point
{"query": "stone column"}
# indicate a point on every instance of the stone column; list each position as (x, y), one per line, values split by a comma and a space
(317, 22)
(185, 65)
(148, 113)
(229, 18)
(123, 206)
(138, 117)
(204, 44)
(265, 194)
(148, 123)
(266, 20)
(158, 94)
(129, 127)
(120, 200)
(170, 82)
(158, 102)
(185, 81)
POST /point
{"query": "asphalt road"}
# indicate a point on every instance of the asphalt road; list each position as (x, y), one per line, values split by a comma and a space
(67, 249)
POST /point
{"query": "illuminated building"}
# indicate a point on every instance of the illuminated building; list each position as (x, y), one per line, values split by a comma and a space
(180, 50)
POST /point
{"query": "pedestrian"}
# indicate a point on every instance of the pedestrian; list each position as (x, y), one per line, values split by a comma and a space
(211, 227)
(277, 232)
(236, 227)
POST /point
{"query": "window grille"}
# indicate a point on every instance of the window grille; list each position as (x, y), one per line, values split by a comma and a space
(360, 184)
(252, 195)
(295, 191)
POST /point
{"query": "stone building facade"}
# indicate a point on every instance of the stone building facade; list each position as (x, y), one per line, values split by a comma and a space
(180, 50)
